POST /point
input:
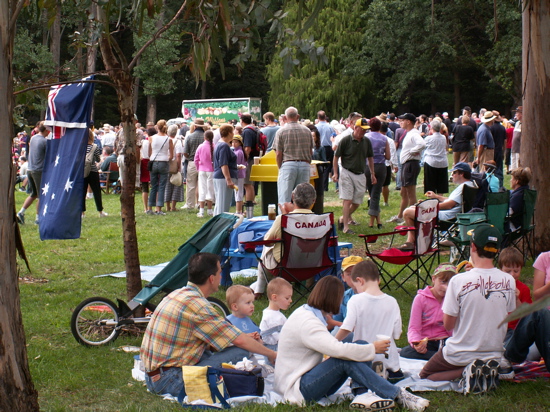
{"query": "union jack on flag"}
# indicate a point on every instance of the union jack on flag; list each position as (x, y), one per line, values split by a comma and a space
(62, 192)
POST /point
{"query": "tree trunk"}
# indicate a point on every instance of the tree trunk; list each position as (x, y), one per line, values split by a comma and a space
(124, 82)
(535, 150)
(151, 108)
(55, 39)
(17, 391)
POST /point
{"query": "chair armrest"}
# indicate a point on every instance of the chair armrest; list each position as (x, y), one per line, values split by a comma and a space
(250, 246)
(399, 230)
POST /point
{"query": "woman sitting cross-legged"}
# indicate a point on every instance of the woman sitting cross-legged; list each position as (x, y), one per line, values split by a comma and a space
(302, 376)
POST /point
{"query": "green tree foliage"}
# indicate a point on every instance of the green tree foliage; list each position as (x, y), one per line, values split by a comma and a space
(157, 64)
(337, 32)
(413, 46)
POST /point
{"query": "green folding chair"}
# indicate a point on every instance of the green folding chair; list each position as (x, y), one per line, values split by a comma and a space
(496, 209)
(523, 238)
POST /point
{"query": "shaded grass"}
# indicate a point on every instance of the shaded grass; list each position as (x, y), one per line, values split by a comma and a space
(70, 377)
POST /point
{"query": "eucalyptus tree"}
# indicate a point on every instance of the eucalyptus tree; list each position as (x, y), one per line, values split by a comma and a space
(337, 32)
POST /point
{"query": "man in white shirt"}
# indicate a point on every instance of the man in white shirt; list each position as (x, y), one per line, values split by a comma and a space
(109, 137)
(475, 304)
(411, 151)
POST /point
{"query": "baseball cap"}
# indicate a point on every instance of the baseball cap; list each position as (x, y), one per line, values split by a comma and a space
(350, 261)
(362, 123)
(408, 116)
(444, 267)
(462, 166)
(237, 137)
(485, 234)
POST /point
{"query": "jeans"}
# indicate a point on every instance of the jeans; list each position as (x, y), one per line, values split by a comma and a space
(291, 174)
(328, 376)
(159, 177)
(534, 327)
(376, 190)
(171, 380)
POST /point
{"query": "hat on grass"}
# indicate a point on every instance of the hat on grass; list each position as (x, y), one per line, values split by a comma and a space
(362, 123)
(484, 235)
(350, 261)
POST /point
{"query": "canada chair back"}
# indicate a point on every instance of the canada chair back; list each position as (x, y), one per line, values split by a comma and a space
(413, 262)
(305, 242)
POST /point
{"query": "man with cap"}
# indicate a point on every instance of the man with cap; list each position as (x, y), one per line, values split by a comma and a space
(475, 304)
(355, 151)
(412, 145)
(485, 141)
(449, 207)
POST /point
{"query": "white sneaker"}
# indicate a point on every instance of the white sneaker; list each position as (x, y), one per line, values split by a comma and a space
(505, 370)
(103, 214)
(185, 207)
(411, 402)
(210, 212)
(89, 195)
(200, 214)
(371, 402)
(395, 219)
(473, 380)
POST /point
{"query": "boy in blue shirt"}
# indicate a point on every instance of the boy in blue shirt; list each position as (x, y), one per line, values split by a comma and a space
(240, 300)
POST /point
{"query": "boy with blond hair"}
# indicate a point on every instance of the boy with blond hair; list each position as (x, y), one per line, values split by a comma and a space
(371, 312)
(240, 300)
(279, 293)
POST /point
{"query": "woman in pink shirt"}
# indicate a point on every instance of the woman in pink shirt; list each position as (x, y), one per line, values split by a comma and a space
(205, 167)
(426, 332)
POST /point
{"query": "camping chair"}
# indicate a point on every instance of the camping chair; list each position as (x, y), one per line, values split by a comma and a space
(108, 182)
(414, 261)
(523, 238)
(496, 210)
(305, 240)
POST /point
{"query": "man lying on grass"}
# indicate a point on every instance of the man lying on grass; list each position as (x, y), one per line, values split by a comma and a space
(186, 330)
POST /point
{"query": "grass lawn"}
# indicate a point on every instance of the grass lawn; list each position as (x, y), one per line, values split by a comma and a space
(70, 377)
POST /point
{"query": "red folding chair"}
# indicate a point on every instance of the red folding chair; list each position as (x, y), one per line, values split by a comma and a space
(413, 262)
(305, 240)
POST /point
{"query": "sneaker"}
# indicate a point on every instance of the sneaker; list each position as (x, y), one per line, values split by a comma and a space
(396, 376)
(386, 204)
(89, 195)
(473, 380)
(210, 212)
(379, 368)
(396, 219)
(505, 370)
(185, 207)
(411, 402)
(200, 214)
(371, 402)
(149, 212)
(20, 218)
(103, 214)
(490, 371)
(160, 213)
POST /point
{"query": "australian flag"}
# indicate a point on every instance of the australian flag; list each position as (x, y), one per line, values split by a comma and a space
(61, 195)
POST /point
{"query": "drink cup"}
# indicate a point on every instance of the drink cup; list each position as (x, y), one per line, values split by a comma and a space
(256, 160)
(383, 337)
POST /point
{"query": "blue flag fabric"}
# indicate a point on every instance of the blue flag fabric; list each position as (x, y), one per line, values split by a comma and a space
(62, 191)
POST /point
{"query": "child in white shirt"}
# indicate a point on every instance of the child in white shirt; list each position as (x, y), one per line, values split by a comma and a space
(279, 293)
(372, 312)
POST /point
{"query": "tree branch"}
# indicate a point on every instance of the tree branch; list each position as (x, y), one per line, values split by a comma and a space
(14, 16)
(156, 36)
(48, 85)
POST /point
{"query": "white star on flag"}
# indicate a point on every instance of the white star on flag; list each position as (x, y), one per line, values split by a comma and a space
(45, 209)
(45, 189)
(68, 185)
(53, 196)
(56, 160)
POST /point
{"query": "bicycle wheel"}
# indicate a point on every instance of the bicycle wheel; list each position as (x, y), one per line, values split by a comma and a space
(94, 322)
(219, 306)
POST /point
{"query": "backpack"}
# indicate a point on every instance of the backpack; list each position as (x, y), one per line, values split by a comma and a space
(89, 160)
(261, 140)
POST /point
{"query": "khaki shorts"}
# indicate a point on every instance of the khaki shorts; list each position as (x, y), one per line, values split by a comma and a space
(351, 186)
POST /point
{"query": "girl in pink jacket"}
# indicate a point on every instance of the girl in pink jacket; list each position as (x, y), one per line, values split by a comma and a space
(205, 167)
(426, 333)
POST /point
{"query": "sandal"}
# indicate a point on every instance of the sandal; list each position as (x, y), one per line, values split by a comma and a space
(349, 232)
(353, 223)
(340, 224)
(407, 246)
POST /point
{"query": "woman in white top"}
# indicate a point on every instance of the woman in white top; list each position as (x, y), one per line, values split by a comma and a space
(161, 149)
(436, 177)
(302, 376)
